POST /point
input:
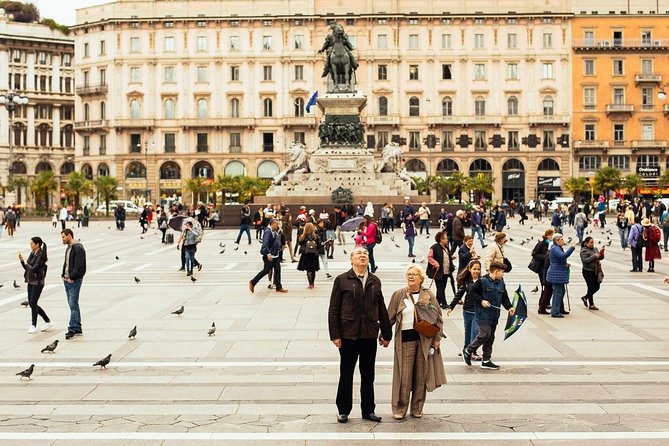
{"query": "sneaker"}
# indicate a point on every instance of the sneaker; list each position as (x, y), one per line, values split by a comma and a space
(592, 307)
(32, 329)
(281, 290)
(467, 357)
(47, 325)
(78, 333)
(69, 335)
(328, 275)
(489, 365)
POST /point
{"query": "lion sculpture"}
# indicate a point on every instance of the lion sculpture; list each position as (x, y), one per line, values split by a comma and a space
(298, 162)
(390, 158)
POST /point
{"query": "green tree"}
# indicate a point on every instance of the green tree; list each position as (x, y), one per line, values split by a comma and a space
(252, 187)
(42, 185)
(607, 179)
(480, 185)
(632, 183)
(576, 186)
(106, 187)
(22, 12)
(76, 185)
(227, 184)
(196, 186)
(663, 180)
(455, 184)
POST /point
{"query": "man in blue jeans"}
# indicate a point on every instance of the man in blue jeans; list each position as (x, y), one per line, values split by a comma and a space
(74, 269)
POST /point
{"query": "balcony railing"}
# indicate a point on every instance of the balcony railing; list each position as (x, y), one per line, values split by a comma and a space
(86, 151)
(619, 108)
(616, 44)
(268, 147)
(647, 78)
(383, 120)
(495, 120)
(135, 123)
(92, 90)
(649, 144)
(300, 121)
(562, 119)
(444, 120)
(592, 144)
(202, 148)
(90, 125)
(217, 122)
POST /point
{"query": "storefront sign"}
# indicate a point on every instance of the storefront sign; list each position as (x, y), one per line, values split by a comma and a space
(548, 182)
(513, 179)
(648, 172)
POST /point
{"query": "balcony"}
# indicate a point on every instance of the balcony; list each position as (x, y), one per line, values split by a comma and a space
(88, 126)
(649, 144)
(135, 123)
(213, 123)
(481, 120)
(268, 147)
(383, 120)
(619, 109)
(619, 44)
(549, 119)
(444, 120)
(301, 121)
(647, 78)
(592, 144)
(92, 90)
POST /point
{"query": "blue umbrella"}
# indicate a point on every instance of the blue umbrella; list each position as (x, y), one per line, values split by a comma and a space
(352, 224)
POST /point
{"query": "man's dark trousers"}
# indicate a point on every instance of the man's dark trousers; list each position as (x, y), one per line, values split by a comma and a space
(349, 352)
(268, 265)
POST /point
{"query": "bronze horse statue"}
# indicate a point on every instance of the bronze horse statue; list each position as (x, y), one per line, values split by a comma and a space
(340, 59)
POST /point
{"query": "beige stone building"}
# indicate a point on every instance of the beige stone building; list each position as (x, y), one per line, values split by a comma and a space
(175, 89)
(36, 62)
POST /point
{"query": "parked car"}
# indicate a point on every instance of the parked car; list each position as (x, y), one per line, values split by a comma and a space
(564, 201)
(130, 207)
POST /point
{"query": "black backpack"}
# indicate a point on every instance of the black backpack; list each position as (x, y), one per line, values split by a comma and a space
(378, 236)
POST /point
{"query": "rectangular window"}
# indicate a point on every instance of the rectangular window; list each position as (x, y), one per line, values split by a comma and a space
(618, 67)
(446, 73)
(589, 37)
(590, 133)
(549, 140)
(646, 38)
(647, 98)
(87, 145)
(169, 44)
(512, 40)
(647, 66)
(86, 50)
(135, 75)
(413, 72)
(647, 132)
(135, 143)
(202, 43)
(103, 144)
(299, 42)
(590, 97)
(512, 141)
(381, 139)
(618, 96)
(382, 41)
(299, 137)
(414, 140)
(479, 41)
(447, 141)
(589, 67)
(169, 74)
(202, 142)
(134, 45)
(512, 71)
(621, 162)
(103, 76)
(235, 142)
(548, 70)
(267, 43)
(480, 140)
(234, 73)
(234, 43)
(413, 41)
(170, 143)
(617, 38)
(267, 73)
(619, 133)
(446, 42)
(87, 77)
(547, 41)
(299, 72)
(383, 72)
(67, 60)
(202, 74)
(479, 72)
(103, 48)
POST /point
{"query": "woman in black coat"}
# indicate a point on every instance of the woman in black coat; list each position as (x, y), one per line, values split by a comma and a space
(35, 273)
(310, 245)
(439, 266)
(469, 276)
(540, 254)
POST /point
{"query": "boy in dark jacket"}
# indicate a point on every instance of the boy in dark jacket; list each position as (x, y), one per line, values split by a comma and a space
(491, 294)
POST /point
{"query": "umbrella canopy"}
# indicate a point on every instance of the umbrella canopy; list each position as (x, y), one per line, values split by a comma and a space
(177, 223)
(514, 322)
(352, 224)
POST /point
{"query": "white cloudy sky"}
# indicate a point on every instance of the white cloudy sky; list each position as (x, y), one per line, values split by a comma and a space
(62, 11)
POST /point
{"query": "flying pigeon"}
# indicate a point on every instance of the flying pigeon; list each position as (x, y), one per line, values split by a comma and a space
(133, 333)
(137, 280)
(392, 237)
(103, 362)
(16, 285)
(345, 252)
(609, 243)
(522, 242)
(222, 245)
(51, 347)
(179, 312)
(141, 237)
(212, 330)
(536, 289)
(27, 372)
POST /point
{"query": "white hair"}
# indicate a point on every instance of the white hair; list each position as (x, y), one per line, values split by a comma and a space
(419, 270)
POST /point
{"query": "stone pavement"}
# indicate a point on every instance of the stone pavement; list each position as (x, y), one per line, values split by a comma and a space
(269, 374)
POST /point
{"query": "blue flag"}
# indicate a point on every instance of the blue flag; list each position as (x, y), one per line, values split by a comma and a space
(312, 101)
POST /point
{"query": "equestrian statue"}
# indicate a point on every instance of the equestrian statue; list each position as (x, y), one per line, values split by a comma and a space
(340, 64)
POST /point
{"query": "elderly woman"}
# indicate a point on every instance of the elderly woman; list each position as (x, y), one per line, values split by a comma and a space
(417, 368)
(466, 253)
(496, 252)
(558, 273)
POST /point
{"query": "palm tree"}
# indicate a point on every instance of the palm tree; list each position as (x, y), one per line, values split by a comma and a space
(632, 183)
(480, 185)
(227, 184)
(76, 185)
(576, 186)
(607, 179)
(195, 186)
(456, 183)
(252, 187)
(42, 185)
(106, 186)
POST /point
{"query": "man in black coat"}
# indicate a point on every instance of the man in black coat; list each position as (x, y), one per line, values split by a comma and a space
(357, 312)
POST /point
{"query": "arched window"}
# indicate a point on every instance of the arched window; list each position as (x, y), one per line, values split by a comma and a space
(479, 106)
(548, 164)
(135, 110)
(87, 171)
(414, 106)
(589, 163)
(383, 106)
(447, 166)
(234, 168)
(415, 165)
(103, 110)
(447, 106)
(103, 170)
(548, 106)
(43, 166)
(512, 103)
(202, 169)
(480, 165)
(66, 168)
(299, 107)
(169, 109)
(135, 170)
(170, 171)
(268, 169)
(202, 108)
(19, 168)
(513, 164)
(234, 108)
(87, 112)
(267, 107)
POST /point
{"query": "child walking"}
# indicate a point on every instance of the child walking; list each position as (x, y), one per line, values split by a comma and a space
(467, 280)
(490, 293)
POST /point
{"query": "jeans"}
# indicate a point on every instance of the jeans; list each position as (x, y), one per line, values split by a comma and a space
(244, 229)
(476, 230)
(370, 250)
(485, 337)
(425, 224)
(34, 293)
(602, 219)
(72, 292)
(558, 295)
(349, 352)
(579, 232)
(637, 259)
(340, 236)
(471, 327)
(120, 225)
(189, 256)
(410, 239)
(623, 233)
(324, 259)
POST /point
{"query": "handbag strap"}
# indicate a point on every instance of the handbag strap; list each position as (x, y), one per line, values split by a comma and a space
(415, 312)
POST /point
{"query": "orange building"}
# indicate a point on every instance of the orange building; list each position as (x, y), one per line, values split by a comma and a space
(618, 69)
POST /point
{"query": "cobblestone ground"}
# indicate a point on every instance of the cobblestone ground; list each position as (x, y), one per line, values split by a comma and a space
(269, 374)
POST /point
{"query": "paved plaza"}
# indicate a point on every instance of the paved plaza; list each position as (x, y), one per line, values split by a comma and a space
(269, 374)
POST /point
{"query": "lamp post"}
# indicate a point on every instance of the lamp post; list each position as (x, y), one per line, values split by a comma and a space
(662, 94)
(12, 101)
(147, 190)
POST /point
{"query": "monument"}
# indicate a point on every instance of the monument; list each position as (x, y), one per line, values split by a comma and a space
(341, 162)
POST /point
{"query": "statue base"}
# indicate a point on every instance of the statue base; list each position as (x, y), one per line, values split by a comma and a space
(335, 159)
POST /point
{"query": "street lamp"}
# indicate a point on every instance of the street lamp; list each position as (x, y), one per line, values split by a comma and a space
(12, 101)
(662, 95)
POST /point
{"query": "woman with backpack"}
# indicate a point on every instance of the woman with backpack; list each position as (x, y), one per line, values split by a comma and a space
(651, 238)
(309, 244)
(162, 224)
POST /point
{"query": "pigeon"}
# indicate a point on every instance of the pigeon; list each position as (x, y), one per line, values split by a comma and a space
(27, 372)
(116, 257)
(536, 289)
(179, 312)
(212, 330)
(508, 227)
(133, 333)
(236, 248)
(510, 239)
(396, 245)
(413, 260)
(608, 238)
(137, 280)
(51, 347)
(392, 238)
(16, 285)
(569, 240)
(193, 279)
(427, 237)
(141, 237)
(25, 303)
(245, 253)
(422, 260)
(222, 245)
(599, 242)
(531, 227)
(522, 242)
(103, 362)
(222, 252)
(345, 252)
(1, 285)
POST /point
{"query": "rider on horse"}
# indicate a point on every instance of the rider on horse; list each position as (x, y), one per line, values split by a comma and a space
(329, 43)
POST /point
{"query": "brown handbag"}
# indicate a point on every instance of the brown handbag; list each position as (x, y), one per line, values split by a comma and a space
(425, 319)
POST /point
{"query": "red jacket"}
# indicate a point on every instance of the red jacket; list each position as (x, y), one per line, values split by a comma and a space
(370, 233)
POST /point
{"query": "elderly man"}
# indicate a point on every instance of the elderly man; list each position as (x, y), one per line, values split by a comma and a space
(357, 312)
(270, 250)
